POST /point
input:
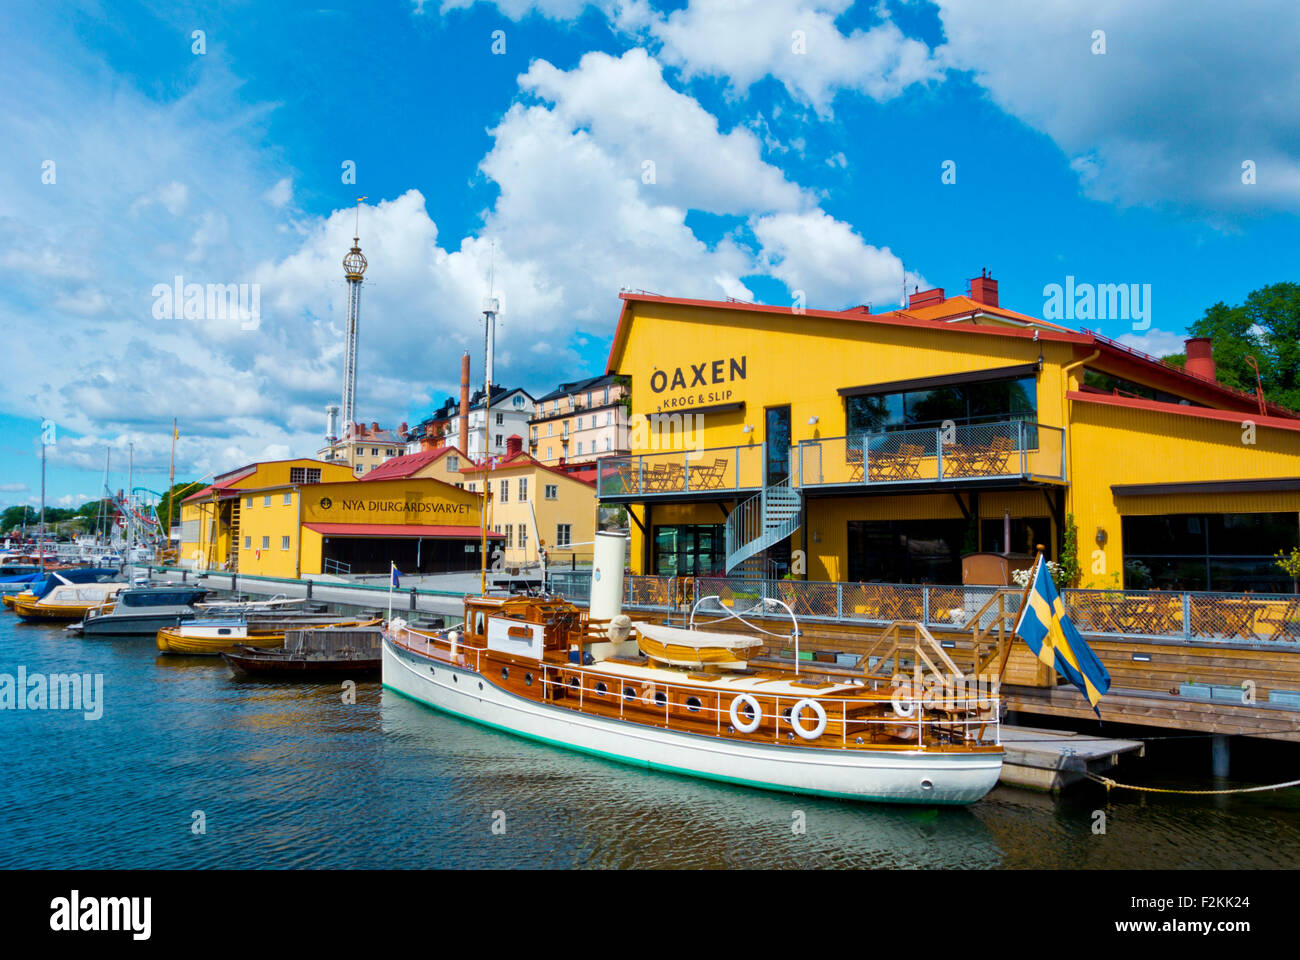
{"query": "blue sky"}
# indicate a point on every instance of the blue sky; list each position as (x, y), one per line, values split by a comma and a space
(775, 170)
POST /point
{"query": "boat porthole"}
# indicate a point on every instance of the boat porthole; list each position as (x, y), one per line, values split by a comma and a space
(785, 714)
(730, 729)
(859, 741)
(455, 679)
(629, 693)
(601, 689)
(661, 698)
(505, 673)
(693, 704)
(789, 735)
(480, 684)
(927, 785)
(528, 679)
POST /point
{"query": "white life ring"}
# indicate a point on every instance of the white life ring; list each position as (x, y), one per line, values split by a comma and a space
(796, 719)
(898, 702)
(753, 706)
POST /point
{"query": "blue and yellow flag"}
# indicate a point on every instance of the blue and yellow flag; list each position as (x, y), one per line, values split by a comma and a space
(1044, 626)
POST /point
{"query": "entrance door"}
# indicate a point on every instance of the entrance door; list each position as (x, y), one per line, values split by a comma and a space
(776, 450)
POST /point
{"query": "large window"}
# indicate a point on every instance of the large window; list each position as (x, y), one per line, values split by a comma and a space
(689, 550)
(1232, 552)
(908, 551)
(964, 404)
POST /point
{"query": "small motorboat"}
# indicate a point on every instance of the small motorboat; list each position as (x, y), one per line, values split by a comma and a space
(211, 637)
(142, 611)
(68, 601)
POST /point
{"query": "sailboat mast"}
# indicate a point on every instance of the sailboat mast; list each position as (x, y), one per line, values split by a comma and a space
(130, 495)
(41, 542)
(171, 482)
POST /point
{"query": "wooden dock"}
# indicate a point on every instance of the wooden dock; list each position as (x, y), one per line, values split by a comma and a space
(1038, 759)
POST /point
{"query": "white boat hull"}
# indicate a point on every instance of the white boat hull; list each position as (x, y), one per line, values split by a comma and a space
(888, 776)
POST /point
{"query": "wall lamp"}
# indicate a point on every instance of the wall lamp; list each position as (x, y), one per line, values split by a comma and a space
(812, 421)
(746, 429)
(1101, 537)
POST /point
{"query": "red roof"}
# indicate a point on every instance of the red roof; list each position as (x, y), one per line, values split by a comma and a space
(397, 530)
(1181, 410)
(407, 465)
(521, 459)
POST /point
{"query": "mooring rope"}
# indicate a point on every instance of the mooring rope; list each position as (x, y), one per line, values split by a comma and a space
(1108, 783)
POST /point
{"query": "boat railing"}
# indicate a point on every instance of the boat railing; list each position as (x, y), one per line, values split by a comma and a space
(945, 712)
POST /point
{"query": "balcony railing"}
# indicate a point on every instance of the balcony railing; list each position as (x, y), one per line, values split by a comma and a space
(1011, 448)
(1191, 616)
(681, 472)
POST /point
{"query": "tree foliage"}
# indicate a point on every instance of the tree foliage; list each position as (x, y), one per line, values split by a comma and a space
(1267, 327)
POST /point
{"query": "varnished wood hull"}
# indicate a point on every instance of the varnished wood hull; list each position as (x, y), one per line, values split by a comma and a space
(171, 640)
(34, 610)
(894, 776)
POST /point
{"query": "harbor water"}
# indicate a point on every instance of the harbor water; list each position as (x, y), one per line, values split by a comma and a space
(188, 767)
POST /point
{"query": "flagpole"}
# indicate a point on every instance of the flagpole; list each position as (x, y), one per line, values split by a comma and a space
(391, 567)
(1024, 599)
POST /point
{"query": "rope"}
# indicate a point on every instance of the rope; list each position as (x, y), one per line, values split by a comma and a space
(1108, 783)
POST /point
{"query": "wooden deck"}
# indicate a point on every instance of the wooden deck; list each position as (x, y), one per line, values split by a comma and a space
(1203, 687)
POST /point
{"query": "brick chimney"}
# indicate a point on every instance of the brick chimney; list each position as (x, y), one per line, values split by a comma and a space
(984, 289)
(514, 445)
(925, 298)
(463, 421)
(1200, 357)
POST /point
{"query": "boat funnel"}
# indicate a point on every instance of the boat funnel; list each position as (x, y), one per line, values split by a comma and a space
(609, 561)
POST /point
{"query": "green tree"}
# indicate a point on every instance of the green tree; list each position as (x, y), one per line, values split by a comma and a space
(1267, 327)
(171, 501)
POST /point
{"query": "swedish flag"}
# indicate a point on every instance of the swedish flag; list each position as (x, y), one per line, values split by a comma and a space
(1044, 626)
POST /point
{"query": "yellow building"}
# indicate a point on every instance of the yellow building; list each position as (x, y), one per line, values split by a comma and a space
(850, 446)
(273, 522)
(534, 506)
(210, 518)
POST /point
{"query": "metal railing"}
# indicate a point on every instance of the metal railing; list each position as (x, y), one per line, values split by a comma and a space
(681, 471)
(1186, 616)
(899, 721)
(1010, 448)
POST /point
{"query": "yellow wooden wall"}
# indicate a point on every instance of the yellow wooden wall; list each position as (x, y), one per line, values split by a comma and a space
(1112, 445)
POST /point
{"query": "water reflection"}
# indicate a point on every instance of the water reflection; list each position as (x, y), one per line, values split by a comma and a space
(291, 775)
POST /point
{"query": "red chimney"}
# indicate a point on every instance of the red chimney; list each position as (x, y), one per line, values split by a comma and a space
(463, 421)
(925, 298)
(1200, 357)
(984, 289)
(514, 445)
(402, 430)
(374, 426)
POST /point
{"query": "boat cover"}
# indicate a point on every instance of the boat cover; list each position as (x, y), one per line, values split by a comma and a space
(696, 639)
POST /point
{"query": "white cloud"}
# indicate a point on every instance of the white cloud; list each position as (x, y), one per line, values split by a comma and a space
(1180, 99)
(826, 259)
(1158, 343)
(573, 221)
(743, 41)
(798, 43)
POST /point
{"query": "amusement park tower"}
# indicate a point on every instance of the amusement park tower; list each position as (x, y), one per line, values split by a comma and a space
(354, 266)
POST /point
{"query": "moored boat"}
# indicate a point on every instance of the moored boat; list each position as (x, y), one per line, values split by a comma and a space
(544, 669)
(211, 637)
(142, 611)
(69, 601)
